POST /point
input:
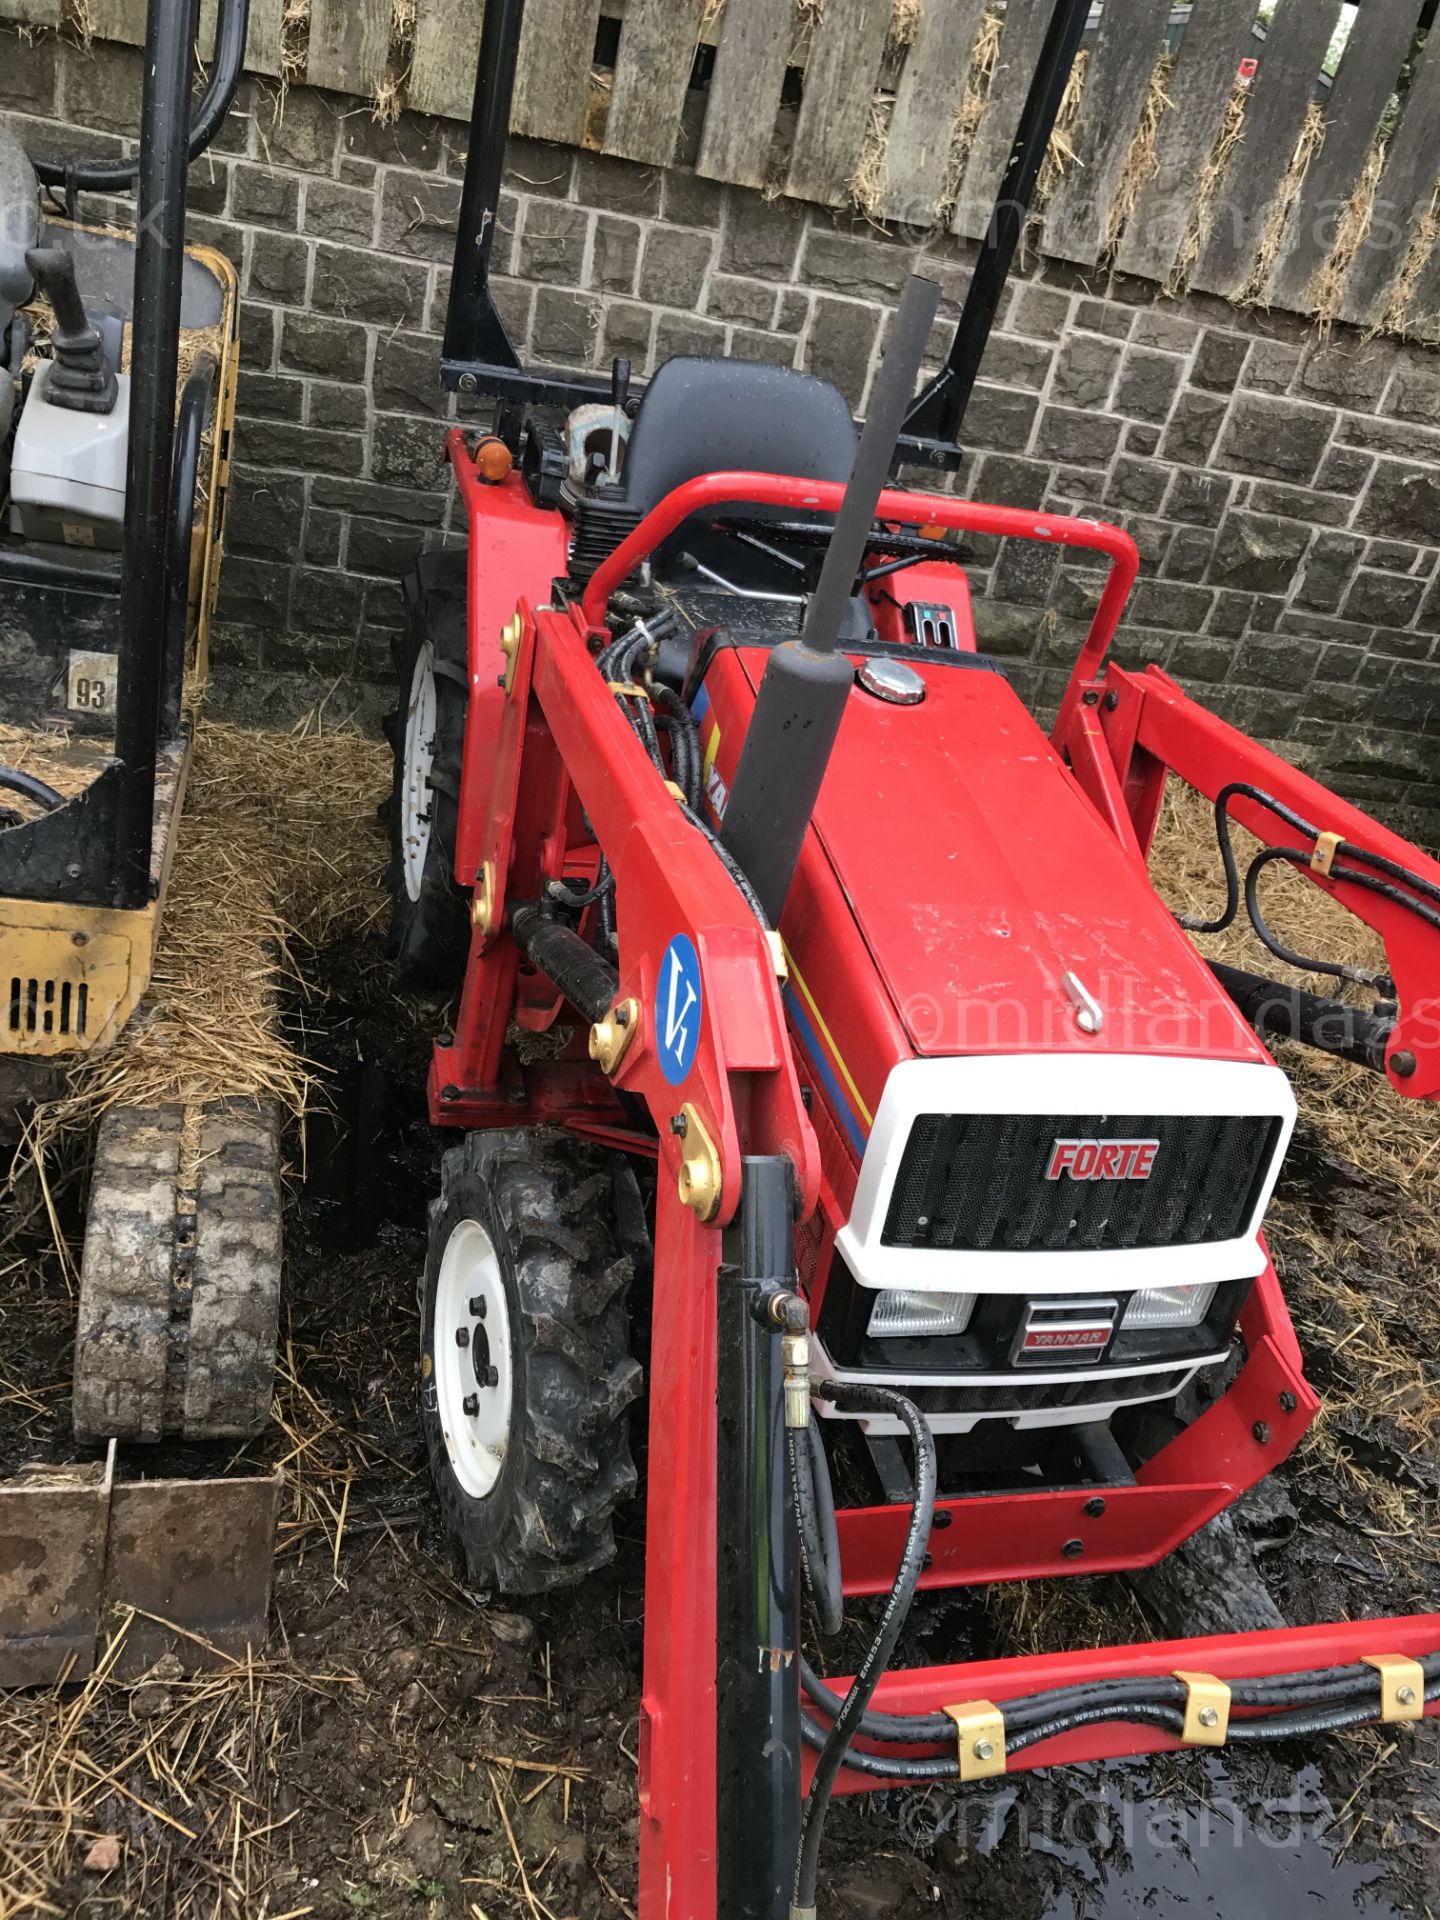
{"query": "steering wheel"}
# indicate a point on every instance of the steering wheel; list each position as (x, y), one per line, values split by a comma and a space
(902, 549)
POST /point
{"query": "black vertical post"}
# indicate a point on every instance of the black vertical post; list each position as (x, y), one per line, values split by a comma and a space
(939, 410)
(472, 328)
(154, 366)
(757, 1667)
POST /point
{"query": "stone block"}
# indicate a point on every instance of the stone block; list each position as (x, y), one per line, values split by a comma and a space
(335, 349)
(1259, 554)
(1278, 439)
(672, 272)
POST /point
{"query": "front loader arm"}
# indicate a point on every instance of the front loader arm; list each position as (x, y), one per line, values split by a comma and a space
(1152, 728)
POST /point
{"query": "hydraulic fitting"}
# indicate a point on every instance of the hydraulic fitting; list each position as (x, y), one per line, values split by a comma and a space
(792, 1315)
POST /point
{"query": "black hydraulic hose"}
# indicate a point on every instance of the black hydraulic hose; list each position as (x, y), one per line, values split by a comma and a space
(730, 863)
(1288, 1726)
(226, 67)
(31, 788)
(1267, 856)
(1347, 849)
(819, 1532)
(868, 1399)
(189, 443)
(1316, 1702)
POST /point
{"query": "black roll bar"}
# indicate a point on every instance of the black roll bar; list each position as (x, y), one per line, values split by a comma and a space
(147, 556)
(479, 357)
(231, 24)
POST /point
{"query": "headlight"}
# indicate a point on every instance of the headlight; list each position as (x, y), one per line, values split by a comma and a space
(899, 1315)
(1168, 1307)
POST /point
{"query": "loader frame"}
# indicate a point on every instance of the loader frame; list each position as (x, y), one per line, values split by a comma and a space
(720, 1768)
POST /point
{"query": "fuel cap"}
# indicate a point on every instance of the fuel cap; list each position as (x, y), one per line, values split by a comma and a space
(892, 680)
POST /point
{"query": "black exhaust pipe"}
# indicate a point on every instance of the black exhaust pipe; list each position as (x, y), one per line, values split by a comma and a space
(154, 366)
(807, 681)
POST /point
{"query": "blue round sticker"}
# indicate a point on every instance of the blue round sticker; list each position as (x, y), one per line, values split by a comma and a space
(677, 1009)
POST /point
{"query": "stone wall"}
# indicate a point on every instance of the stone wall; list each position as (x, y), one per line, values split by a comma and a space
(1282, 489)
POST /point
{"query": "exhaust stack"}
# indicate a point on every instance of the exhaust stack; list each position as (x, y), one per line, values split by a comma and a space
(807, 681)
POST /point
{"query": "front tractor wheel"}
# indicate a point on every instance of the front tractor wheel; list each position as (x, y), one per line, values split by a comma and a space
(526, 1372)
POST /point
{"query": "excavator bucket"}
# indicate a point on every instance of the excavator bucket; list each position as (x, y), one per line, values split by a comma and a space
(181, 1565)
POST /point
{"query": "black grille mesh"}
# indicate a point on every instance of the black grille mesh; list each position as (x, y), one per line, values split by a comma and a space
(975, 1183)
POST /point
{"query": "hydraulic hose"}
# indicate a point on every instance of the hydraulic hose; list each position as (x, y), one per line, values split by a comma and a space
(119, 176)
(1322, 1701)
(868, 1399)
(31, 788)
(819, 1531)
(1424, 908)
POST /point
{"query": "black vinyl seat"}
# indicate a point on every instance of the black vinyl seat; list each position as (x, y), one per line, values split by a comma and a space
(713, 416)
(708, 416)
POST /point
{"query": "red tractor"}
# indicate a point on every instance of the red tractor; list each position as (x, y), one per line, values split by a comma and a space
(815, 1001)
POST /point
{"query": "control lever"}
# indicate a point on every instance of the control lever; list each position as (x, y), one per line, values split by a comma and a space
(83, 379)
(620, 400)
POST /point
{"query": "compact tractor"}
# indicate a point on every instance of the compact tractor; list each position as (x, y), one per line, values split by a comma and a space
(117, 398)
(817, 1016)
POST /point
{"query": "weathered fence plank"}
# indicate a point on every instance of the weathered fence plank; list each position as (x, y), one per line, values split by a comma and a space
(349, 40)
(1077, 220)
(745, 89)
(552, 83)
(840, 77)
(122, 20)
(928, 97)
(262, 36)
(1361, 91)
(1217, 38)
(442, 63)
(1402, 198)
(1296, 46)
(34, 13)
(1020, 43)
(657, 51)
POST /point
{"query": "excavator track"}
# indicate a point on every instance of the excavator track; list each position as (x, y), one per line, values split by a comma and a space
(180, 1277)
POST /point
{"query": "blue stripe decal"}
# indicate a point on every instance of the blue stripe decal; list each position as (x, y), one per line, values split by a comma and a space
(839, 1098)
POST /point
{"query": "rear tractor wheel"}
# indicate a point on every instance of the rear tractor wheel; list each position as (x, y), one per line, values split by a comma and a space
(429, 925)
(526, 1371)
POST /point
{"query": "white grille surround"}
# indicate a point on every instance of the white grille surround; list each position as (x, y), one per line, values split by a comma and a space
(1088, 1082)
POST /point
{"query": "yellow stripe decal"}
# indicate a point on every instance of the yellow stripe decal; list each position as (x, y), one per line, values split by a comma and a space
(827, 1036)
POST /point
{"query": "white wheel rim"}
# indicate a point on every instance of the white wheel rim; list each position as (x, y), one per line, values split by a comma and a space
(473, 1383)
(417, 797)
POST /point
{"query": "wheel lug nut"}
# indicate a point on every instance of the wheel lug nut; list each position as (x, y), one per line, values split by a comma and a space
(462, 1336)
(492, 1376)
(477, 1306)
(471, 1404)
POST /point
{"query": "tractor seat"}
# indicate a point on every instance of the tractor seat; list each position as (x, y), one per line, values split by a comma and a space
(712, 416)
(715, 416)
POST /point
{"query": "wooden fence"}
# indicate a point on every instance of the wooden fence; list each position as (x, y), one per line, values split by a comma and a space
(1170, 166)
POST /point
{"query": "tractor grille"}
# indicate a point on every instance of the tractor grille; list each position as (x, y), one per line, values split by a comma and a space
(976, 1183)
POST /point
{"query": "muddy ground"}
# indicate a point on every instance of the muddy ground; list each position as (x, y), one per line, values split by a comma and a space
(411, 1748)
